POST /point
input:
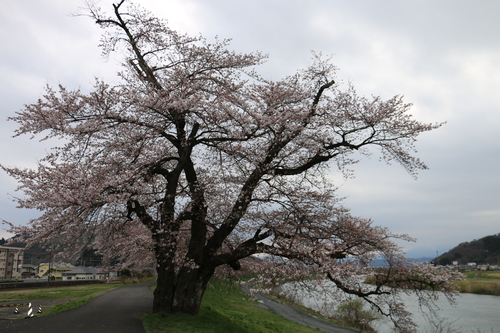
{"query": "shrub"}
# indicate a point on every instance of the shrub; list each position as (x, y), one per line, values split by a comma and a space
(352, 312)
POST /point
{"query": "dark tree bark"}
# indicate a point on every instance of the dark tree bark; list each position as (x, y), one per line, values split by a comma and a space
(194, 162)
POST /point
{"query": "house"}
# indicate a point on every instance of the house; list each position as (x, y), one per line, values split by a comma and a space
(85, 273)
(56, 270)
(11, 259)
(28, 271)
(114, 274)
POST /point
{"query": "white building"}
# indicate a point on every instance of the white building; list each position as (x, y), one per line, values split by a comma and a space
(11, 259)
(84, 273)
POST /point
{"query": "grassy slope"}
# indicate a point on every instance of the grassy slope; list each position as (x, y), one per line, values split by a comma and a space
(225, 308)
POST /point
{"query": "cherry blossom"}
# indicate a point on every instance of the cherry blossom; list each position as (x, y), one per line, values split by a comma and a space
(194, 162)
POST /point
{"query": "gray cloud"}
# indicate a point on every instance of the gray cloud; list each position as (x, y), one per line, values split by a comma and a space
(443, 56)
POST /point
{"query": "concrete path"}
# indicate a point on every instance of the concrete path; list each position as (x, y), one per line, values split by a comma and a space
(293, 314)
(118, 310)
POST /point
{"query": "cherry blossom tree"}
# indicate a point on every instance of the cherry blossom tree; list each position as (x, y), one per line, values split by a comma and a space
(194, 162)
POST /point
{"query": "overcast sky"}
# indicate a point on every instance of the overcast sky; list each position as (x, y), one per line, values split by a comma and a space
(443, 56)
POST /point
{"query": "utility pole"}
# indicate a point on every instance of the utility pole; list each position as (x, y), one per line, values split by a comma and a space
(50, 264)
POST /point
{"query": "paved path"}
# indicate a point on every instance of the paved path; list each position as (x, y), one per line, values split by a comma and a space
(120, 311)
(293, 314)
(117, 310)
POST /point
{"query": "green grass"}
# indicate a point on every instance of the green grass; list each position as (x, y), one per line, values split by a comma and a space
(481, 282)
(79, 295)
(56, 292)
(71, 304)
(225, 308)
(290, 301)
(488, 275)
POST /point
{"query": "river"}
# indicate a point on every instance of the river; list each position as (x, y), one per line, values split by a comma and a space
(472, 313)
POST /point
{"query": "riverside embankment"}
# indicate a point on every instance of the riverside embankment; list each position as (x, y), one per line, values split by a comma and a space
(472, 313)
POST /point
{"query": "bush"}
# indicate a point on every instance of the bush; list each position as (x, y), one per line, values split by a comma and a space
(352, 313)
(131, 276)
(125, 273)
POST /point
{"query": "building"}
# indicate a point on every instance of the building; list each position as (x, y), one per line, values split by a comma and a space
(85, 273)
(56, 270)
(11, 259)
(28, 271)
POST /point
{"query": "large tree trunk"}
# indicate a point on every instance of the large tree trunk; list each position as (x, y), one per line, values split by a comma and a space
(181, 292)
(164, 291)
(191, 286)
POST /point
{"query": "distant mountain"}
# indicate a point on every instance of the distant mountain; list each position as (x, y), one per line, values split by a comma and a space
(382, 262)
(427, 252)
(422, 259)
(480, 251)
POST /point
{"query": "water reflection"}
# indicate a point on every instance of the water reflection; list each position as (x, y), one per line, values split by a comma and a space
(472, 313)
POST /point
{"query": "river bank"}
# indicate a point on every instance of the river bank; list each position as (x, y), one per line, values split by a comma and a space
(472, 312)
(481, 282)
(478, 282)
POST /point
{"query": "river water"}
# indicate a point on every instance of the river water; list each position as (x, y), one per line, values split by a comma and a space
(471, 313)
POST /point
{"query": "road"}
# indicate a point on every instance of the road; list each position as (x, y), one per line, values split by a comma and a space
(118, 310)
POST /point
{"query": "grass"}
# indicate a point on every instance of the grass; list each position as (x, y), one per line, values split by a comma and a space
(77, 295)
(71, 304)
(56, 292)
(476, 282)
(225, 308)
(291, 301)
(481, 282)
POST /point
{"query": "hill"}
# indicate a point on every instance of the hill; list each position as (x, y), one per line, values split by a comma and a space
(37, 254)
(481, 251)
